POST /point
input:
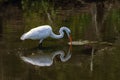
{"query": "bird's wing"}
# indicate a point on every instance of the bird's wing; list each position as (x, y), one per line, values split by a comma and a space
(40, 32)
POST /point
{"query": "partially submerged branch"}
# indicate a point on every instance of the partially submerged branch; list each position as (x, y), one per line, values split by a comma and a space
(86, 42)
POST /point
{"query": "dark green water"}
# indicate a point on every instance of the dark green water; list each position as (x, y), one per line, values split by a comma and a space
(23, 60)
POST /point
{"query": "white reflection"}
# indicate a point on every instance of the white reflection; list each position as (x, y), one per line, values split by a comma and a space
(46, 59)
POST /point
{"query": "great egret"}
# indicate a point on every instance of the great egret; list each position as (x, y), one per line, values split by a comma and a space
(44, 31)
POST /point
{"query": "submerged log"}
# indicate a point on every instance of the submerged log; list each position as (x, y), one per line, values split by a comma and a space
(87, 42)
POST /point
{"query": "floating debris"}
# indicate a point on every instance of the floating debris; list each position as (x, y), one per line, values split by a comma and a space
(86, 42)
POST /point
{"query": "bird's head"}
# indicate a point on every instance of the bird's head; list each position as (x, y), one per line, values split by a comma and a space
(68, 31)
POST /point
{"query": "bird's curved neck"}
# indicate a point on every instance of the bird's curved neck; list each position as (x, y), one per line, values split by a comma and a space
(53, 35)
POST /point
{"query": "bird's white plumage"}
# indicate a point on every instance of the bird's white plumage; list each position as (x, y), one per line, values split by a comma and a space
(42, 32)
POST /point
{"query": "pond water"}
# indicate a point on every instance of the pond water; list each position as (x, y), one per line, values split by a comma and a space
(23, 60)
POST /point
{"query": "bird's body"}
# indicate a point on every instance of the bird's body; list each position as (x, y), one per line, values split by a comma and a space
(42, 32)
(38, 33)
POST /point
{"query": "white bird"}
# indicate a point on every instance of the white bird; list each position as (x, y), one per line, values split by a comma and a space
(44, 31)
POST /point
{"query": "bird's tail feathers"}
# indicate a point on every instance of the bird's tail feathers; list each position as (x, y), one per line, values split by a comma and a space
(23, 36)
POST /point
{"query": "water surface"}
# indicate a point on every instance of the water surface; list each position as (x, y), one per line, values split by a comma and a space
(23, 60)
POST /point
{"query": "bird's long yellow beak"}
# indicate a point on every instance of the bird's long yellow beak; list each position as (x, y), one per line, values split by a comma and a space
(70, 38)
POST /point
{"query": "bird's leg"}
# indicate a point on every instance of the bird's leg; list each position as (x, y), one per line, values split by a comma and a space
(40, 43)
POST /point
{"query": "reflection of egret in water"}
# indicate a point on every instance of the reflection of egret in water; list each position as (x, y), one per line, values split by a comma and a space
(46, 59)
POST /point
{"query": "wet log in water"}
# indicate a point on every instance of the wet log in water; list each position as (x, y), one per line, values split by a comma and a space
(86, 42)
